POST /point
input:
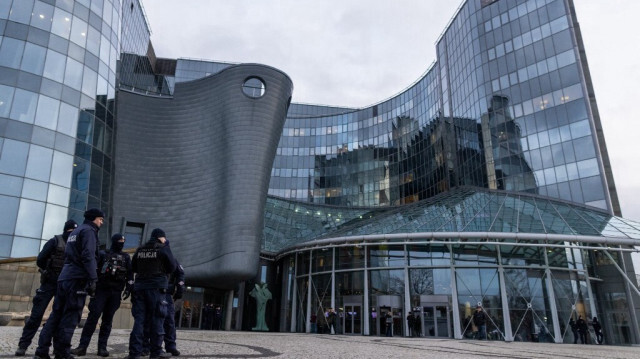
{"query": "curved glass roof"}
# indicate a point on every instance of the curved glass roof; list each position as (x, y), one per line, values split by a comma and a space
(288, 223)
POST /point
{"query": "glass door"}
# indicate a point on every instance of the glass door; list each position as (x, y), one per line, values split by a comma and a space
(352, 323)
(442, 321)
(435, 321)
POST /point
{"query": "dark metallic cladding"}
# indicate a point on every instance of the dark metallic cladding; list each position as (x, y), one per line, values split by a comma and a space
(198, 166)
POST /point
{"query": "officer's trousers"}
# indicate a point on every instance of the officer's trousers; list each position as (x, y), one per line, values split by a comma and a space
(43, 296)
(170, 325)
(105, 303)
(149, 307)
(67, 309)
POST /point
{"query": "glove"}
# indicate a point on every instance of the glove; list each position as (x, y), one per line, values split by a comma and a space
(178, 294)
(127, 290)
(91, 288)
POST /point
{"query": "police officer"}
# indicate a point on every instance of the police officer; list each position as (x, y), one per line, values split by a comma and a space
(50, 262)
(114, 275)
(174, 292)
(152, 263)
(77, 279)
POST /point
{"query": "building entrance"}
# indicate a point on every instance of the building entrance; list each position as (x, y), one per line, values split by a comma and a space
(351, 315)
(436, 313)
(352, 319)
(389, 316)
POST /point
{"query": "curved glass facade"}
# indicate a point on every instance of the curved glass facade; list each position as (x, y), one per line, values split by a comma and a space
(57, 91)
(504, 107)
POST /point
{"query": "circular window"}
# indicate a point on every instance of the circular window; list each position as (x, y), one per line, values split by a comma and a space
(253, 87)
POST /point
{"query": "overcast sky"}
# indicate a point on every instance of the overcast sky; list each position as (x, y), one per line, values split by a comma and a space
(359, 52)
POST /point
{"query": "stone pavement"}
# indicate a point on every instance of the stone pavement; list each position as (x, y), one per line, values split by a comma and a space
(219, 344)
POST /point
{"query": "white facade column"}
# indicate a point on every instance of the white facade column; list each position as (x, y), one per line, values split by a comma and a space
(308, 316)
(229, 309)
(365, 311)
(557, 337)
(407, 294)
(457, 333)
(508, 331)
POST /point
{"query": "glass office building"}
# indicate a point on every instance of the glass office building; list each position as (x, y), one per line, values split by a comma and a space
(486, 182)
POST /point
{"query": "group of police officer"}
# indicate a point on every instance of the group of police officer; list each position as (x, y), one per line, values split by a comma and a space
(72, 267)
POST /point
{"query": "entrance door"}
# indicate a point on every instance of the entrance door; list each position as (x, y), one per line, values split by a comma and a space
(435, 321)
(352, 319)
(389, 311)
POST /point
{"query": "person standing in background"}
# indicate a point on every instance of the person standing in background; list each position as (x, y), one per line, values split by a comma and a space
(50, 262)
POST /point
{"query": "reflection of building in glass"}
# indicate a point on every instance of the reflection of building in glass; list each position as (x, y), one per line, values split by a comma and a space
(487, 182)
(506, 166)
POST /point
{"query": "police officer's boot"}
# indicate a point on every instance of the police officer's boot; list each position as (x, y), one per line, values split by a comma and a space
(174, 352)
(79, 351)
(161, 355)
(103, 352)
(20, 352)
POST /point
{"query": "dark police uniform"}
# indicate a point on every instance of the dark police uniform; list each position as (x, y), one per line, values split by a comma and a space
(114, 274)
(152, 263)
(175, 291)
(78, 275)
(50, 262)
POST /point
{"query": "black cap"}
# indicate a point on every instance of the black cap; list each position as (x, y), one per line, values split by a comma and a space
(116, 237)
(157, 233)
(93, 213)
(70, 224)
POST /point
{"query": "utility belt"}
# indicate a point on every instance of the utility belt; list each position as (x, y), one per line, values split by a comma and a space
(48, 275)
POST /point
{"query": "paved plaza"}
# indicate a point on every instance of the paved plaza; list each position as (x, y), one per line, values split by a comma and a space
(217, 344)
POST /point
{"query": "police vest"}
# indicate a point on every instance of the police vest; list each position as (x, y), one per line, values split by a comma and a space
(114, 268)
(56, 260)
(148, 262)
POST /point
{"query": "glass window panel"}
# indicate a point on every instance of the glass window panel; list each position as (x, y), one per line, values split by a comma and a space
(25, 247)
(55, 65)
(14, 157)
(584, 148)
(6, 98)
(386, 256)
(9, 206)
(73, 74)
(10, 185)
(89, 82)
(61, 24)
(21, 11)
(36, 190)
(588, 168)
(350, 258)
(11, 52)
(592, 189)
(93, 41)
(5, 6)
(33, 59)
(566, 58)
(386, 282)
(68, 119)
(561, 174)
(580, 129)
(104, 49)
(47, 113)
(58, 195)
(78, 31)
(41, 16)
(61, 169)
(54, 218)
(24, 106)
(5, 241)
(39, 163)
(30, 218)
